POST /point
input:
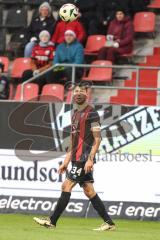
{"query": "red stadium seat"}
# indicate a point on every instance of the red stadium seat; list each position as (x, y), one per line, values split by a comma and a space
(5, 61)
(144, 22)
(94, 44)
(52, 92)
(30, 92)
(19, 66)
(155, 4)
(100, 74)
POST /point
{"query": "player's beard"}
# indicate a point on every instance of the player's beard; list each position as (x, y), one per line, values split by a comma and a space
(80, 105)
(80, 100)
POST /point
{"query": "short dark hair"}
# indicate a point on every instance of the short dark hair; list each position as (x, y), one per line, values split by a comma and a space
(78, 83)
(84, 84)
(123, 10)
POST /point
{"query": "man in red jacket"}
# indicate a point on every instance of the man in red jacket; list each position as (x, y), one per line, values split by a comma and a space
(76, 26)
(119, 37)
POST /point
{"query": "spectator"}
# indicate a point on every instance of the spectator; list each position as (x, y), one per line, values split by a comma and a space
(70, 51)
(42, 57)
(120, 37)
(61, 27)
(106, 12)
(44, 21)
(4, 84)
(97, 14)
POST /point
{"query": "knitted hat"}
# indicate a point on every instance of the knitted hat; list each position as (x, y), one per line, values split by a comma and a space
(46, 5)
(44, 32)
(71, 32)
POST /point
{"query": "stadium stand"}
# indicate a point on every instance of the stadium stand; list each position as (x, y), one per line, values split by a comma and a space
(13, 39)
(148, 78)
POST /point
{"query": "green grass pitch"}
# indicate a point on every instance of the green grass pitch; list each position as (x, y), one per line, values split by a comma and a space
(21, 227)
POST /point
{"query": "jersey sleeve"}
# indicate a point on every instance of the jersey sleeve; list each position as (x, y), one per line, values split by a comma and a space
(33, 55)
(51, 56)
(94, 119)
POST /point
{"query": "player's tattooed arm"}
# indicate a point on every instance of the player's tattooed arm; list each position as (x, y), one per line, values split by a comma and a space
(97, 140)
(96, 131)
(64, 165)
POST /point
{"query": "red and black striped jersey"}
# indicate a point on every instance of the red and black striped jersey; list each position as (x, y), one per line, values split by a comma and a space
(81, 132)
(42, 55)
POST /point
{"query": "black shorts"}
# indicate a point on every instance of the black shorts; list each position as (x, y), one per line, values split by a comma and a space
(77, 174)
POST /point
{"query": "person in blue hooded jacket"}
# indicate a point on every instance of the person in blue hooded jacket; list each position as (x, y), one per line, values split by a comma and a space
(72, 52)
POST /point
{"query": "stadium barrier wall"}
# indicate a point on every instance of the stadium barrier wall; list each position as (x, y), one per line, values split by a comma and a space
(34, 137)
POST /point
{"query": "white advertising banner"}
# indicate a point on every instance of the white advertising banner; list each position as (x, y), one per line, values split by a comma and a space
(117, 177)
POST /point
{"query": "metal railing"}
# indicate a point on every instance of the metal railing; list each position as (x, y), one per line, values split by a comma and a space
(74, 66)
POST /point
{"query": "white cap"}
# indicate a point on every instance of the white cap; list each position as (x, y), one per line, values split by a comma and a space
(70, 32)
(44, 32)
(46, 5)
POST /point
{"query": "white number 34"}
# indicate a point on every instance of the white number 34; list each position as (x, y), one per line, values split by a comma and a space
(76, 170)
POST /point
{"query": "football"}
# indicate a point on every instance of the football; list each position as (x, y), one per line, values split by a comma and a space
(68, 12)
